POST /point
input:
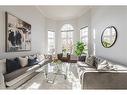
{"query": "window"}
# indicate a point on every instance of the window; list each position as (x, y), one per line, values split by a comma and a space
(51, 42)
(67, 37)
(84, 36)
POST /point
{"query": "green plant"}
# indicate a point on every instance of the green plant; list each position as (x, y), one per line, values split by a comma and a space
(80, 48)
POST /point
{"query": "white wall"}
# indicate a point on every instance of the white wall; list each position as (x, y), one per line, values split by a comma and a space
(103, 17)
(31, 15)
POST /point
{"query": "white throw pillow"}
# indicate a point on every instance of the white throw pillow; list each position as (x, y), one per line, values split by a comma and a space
(103, 66)
(3, 66)
(40, 57)
(23, 61)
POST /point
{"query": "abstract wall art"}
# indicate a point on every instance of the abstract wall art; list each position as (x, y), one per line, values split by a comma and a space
(18, 34)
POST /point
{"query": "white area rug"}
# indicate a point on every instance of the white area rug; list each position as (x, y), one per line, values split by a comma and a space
(40, 82)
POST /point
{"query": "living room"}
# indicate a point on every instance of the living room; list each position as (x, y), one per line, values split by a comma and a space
(53, 30)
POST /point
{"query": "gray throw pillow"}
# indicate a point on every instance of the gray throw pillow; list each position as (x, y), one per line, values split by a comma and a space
(97, 61)
(90, 60)
(103, 66)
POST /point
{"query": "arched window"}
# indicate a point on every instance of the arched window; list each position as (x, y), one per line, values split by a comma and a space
(67, 37)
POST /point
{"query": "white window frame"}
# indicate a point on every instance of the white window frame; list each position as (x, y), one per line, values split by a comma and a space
(67, 38)
(49, 39)
(84, 36)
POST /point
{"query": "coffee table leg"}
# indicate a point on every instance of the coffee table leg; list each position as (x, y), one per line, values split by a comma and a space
(53, 80)
(65, 77)
(46, 75)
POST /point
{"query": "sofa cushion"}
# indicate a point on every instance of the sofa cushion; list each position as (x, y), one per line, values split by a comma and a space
(12, 65)
(3, 66)
(20, 74)
(23, 61)
(82, 64)
(15, 74)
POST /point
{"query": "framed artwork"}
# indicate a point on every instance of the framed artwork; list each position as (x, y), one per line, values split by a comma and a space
(18, 34)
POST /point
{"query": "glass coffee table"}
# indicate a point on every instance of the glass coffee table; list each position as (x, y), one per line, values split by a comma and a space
(52, 70)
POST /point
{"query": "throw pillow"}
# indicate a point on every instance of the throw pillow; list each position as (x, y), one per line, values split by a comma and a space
(3, 66)
(40, 57)
(32, 61)
(90, 60)
(23, 61)
(12, 65)
(97, 61)
(103, 66)
(32, 56)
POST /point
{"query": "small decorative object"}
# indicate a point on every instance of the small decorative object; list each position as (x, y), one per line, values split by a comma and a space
(64, 51)
(18, 34)
(109, 36)
(80, 48)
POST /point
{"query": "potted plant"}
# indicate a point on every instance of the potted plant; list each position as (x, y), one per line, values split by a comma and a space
(80, 48)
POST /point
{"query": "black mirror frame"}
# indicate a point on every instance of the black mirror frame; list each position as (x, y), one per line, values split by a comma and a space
(115, 37)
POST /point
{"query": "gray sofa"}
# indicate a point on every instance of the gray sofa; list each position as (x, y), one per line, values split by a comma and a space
(91, 78)
(18, 77)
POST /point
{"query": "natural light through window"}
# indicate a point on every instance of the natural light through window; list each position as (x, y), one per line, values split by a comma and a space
(84, 36)
(51, 42)
(67, 38)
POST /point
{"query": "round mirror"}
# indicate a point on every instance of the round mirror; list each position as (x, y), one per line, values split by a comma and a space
(109, 36)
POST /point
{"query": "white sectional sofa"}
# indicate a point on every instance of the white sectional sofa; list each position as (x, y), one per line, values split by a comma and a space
(16, 78)
(92, 77)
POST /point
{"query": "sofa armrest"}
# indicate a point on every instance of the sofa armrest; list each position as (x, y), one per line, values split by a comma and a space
(104, 80)
(2, 83)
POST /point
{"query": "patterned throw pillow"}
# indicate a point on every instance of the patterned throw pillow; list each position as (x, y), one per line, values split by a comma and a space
(32, 56)
(32, 61)
(90, 60)
(103, 66)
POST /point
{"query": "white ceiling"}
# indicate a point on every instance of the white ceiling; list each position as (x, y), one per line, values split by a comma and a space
(62, 12)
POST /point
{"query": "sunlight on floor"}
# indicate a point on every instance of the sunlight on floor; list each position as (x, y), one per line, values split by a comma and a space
(74, 80)
(34, 86)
